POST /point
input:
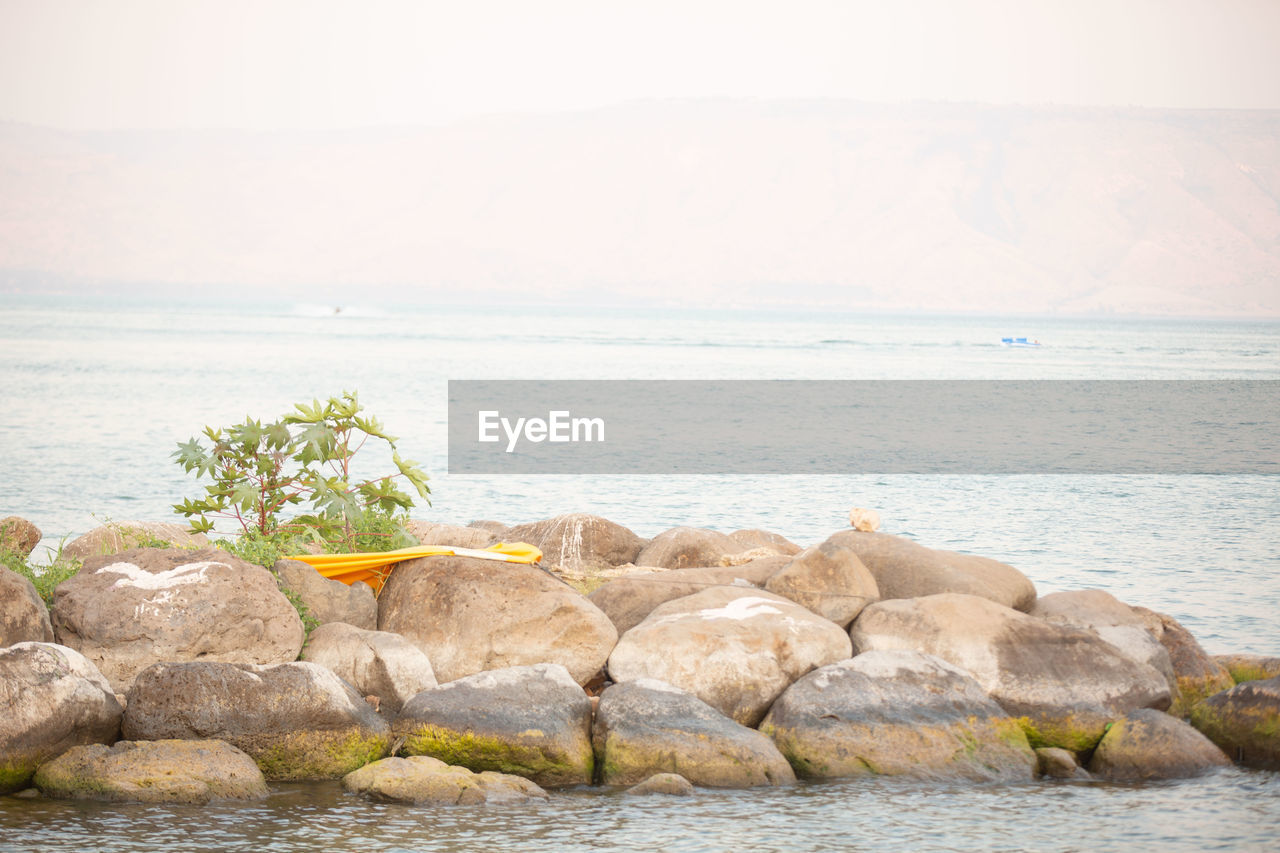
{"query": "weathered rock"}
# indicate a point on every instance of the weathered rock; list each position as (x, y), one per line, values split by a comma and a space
(329, 600)
(53, 699)
(904, 569)
(1244, 722)
(127, 611)
(117, 536)
(1112, 620)
(864, 520)
(432, 533)
(896, 713)
(1198, 675)
(19, 536)
(23, 616)
(375, 663)
(579, 541)
(829, 579)
(663, 783)
(1246, 667)
(531, 721)
(497, 528)
(1059, 764)
(470, 615)
(646, 727)
(684, 547)
(296, 720)
(735, 649)
(1147, 744)
(757, 538)
(628, 600)
(162, 771)
(420, 779)
(1066, 681)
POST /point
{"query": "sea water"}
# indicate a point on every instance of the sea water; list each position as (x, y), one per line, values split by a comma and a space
(99, 392)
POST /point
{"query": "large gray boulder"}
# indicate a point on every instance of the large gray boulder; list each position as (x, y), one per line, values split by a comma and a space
(328, 600)
(1244, 722)
(1067, 682)
(629, 599)
(434, 533)
(1197, 674)
(579, 541)
(163, 771)
(23, 616)
(684, 547)
(376, 663)
(117, 536)
(897, 713)
(647, 727)
(53, 699)
(905, 569)
(1112, 620)
(471, 615)
(1147, 744)
(533, 721)
(735, 649)
(420, 779)
(128, 611)
(297, 720)
(18, 536)
(829, 579)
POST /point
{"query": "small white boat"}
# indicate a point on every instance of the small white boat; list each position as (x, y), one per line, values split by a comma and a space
(1019, 342)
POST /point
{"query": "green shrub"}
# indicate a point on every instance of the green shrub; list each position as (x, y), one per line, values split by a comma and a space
(45, 577)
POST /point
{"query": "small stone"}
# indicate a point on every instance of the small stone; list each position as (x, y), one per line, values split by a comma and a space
(864, 520)
(19, 536)
(1057, 763)
(663, 783)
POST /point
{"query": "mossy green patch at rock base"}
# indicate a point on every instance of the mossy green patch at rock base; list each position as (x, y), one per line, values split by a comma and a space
(486, 752)
(308, 756)
(15, 777)
(1250, 736)
(1065, 733)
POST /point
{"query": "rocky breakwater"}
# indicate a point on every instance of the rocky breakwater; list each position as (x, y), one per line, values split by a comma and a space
(488, 682)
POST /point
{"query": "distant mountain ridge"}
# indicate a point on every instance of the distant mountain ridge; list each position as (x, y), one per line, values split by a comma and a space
(716, 202)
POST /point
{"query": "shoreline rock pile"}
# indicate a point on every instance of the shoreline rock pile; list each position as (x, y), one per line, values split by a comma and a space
(708, 659)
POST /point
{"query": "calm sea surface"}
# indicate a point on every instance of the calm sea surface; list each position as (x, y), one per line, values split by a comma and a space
(99, 393)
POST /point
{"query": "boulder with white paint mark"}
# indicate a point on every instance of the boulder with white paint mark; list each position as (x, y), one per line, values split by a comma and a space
(579, 541)
(127, 611)
(736, 649)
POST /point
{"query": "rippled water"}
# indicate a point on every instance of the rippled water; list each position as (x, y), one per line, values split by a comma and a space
(101, 393)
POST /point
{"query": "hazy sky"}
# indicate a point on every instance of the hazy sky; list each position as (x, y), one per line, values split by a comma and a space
(279, 64)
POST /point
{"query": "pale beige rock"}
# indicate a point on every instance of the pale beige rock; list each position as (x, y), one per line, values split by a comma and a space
(686, 547)
(163, 771)
(736, 649)
(864, 520)
(329, 600)
(628, 599)
(53, 699)
(434, 533)
(757, 538)
(23, 616)
(1066, 681)
(127, 611)
(905, 569)
(376, 663)
(579, 541)
(420, 779)
(744, 557)
(18, 535)
(1057, 763)
(470, 615)
(672, 784)
(117, 536)
(829, 579)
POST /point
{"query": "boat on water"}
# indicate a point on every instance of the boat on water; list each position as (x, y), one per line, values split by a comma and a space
(1019, 342)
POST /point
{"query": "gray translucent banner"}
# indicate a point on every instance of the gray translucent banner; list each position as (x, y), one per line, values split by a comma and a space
(864, 427)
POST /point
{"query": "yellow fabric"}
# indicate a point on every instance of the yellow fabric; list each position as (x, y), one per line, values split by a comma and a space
(375, 568)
